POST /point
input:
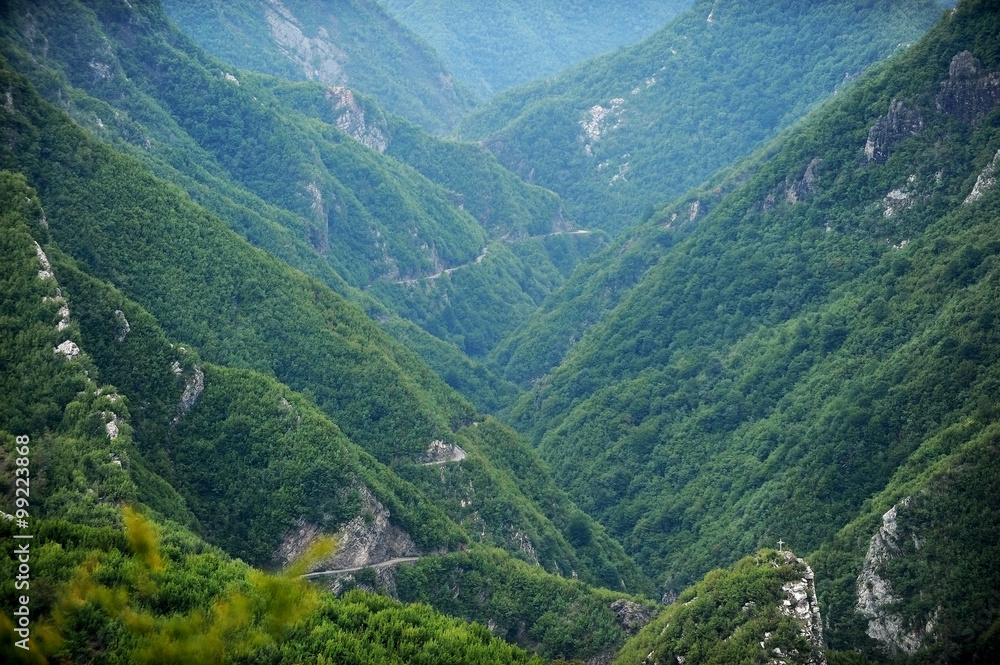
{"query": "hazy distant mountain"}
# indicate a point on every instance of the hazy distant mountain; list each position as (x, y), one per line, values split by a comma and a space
(636, 128)
(345, 43)
(492, 46)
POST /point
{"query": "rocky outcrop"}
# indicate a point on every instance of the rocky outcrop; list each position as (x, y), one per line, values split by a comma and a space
(439, 452)
(122, 326)
(632, 616)
(875, 594)
(599, 120)
(798, 190)
(801, 604)
(901, 122)
(367, 539)
(68, 349)
(968, 94)
(192, 390)
(319, 59)
(987, 178)
(351, 119)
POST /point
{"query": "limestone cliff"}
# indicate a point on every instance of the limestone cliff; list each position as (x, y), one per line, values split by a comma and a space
(875, 593)
(367, 539)
(968, 94)
(901, 122)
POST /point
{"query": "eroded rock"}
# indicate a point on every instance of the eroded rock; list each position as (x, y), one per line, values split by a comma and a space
(632, 616)
(123, 328)
(192, 390)
(968, 95)
(68, 349)
(801, 604)
(875, 594)
(901, 122)
(352, 121)
(987, 178)
(367, 539)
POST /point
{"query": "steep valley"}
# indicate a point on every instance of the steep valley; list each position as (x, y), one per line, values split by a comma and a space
(298, 372)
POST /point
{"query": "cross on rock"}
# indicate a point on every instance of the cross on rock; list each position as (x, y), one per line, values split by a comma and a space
(780, 543)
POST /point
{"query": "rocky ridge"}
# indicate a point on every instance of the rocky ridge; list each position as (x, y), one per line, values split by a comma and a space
(875, 593)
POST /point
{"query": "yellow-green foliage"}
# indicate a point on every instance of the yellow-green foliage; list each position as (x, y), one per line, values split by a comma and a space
(105, 596)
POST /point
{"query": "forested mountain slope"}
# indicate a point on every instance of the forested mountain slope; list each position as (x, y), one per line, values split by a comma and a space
(493, 46)
(242, 399)
(70, 448)
(355, 43)
(818, 343)
(621, 132)
(341, 210)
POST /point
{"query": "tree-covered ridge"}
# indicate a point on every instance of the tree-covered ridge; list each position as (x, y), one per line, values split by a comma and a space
(342, 212)
(356, 44)
(222, 443)
(776, 364)
(638, 127)
(741, 615)
(101, 595)
(553, 616)
(493, 46)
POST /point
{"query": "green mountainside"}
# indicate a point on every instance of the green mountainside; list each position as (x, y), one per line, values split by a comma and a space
(806, 340)
(354, 43)
(493, 46)
(255, 328)
(238, 398)
(342, 211)
(637, 127)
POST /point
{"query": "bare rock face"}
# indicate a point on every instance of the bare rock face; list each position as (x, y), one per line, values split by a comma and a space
(439, 452)
(801, 604)
(367, 539)
(968, 94)
(122, 326)
(875, 593)
(632, 616)
(987, 178)
(804, 186)
(192, 390)
(901, 122)
(352, 122)
(318, 57)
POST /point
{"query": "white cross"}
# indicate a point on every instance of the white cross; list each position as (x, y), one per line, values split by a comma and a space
(780, 543)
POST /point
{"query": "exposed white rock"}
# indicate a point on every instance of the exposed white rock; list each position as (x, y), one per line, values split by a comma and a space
(985, 181)
(111, 427)
(524, 544)
(895, 201)
(46, 271)
(68, 349)
(439, 452)
(367, 539)
(600, 118)
(351, 120)
(875, 592)
(123, 327)
(192, 389)
(64, 321)
(801, 604)
(232, 79)
(693, 210)
(319, 59)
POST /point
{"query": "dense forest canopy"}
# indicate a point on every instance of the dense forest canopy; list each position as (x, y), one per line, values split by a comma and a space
(289, 374)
